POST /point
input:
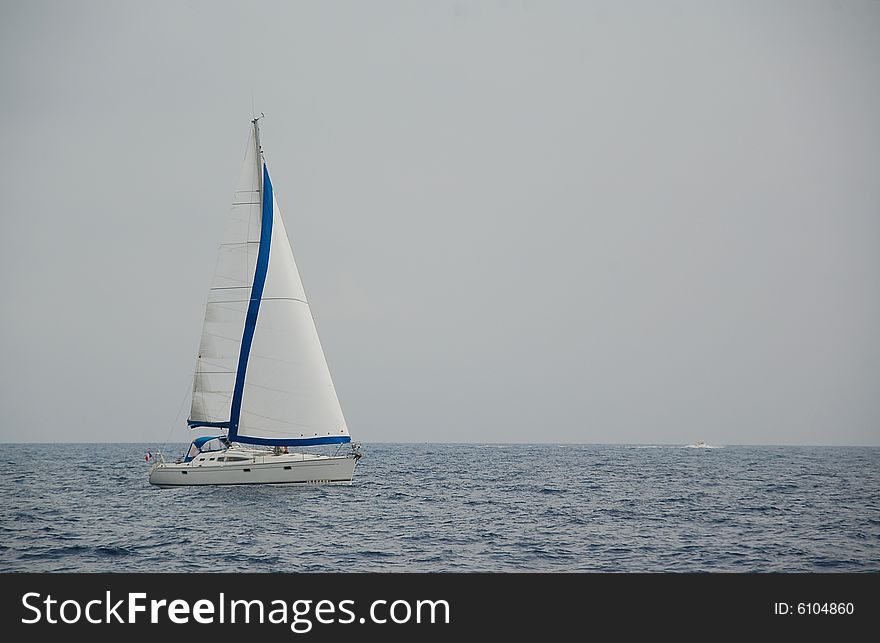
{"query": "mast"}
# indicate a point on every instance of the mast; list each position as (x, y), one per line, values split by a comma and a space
(259, 155)
(259, 282)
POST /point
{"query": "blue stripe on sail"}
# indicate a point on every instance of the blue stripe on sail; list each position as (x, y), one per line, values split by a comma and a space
(220, 425)
(254, 306)
(299, 442)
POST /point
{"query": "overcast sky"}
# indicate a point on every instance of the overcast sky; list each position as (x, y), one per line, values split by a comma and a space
(592, 222)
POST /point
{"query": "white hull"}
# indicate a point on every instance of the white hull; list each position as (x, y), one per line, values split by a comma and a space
(254, 468)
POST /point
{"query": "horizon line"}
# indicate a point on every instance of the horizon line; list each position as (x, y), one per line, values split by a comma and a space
(553, 442)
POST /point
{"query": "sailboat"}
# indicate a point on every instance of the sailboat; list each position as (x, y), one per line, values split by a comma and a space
(262, 385)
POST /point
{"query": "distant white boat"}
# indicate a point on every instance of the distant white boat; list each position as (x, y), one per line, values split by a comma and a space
(261, 378)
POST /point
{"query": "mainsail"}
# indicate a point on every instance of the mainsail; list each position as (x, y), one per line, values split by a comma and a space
(261, 372)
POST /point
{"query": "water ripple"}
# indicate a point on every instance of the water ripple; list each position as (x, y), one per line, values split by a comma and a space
(419, 507)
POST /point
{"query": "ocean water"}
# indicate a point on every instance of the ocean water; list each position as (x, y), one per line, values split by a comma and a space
(455, 508)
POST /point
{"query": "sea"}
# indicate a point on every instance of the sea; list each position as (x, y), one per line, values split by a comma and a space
(454, 508)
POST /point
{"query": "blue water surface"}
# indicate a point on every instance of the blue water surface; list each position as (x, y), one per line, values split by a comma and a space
(454, 508)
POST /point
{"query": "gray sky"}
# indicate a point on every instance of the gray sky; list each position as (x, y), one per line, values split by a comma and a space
(515, 221)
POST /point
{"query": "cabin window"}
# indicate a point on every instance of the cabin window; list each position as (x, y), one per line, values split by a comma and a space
(209, 459)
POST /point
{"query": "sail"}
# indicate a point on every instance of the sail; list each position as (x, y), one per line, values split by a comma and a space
(288, 396)
(261, 370)
(228, 299)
